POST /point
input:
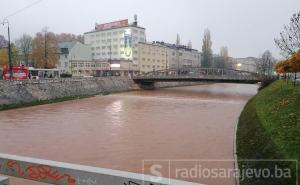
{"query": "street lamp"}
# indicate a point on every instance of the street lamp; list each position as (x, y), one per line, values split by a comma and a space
(5, 21)
(166, 61)
(110, 59)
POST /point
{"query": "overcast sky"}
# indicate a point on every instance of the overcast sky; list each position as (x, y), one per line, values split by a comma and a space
(246, 27)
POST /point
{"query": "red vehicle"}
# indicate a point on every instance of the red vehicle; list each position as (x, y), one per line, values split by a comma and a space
(19, 73)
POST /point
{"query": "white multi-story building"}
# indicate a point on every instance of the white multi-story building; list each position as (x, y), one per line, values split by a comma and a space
(116, 42)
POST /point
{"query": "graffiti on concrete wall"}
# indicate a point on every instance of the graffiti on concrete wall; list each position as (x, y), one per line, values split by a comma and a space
(38, 172)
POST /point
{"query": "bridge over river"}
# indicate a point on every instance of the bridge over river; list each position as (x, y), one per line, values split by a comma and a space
(198, 74)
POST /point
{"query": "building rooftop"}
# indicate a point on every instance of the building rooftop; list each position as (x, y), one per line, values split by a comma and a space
(174, 46)
(114, 25)
(65, 47)
(129, 25)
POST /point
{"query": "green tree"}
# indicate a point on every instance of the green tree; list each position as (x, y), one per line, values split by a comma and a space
(4, 56)
(24, 45)
(206, 50)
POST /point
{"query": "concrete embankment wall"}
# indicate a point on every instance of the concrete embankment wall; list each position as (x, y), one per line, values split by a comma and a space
(14, 92)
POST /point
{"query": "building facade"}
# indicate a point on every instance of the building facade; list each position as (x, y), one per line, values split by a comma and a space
(76, 59)
(245, 64)
(116, 41)
(152, 57)
(160, 56)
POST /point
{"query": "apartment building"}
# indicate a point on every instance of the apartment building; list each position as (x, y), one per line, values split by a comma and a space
(160, 56)
(116, 41)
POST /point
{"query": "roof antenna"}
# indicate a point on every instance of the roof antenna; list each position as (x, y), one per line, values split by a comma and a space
(135, 20)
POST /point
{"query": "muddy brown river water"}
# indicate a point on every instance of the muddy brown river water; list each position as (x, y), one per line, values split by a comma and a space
(182, 126)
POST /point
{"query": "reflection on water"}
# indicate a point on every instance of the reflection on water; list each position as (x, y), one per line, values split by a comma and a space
(115, 111)
(120, 131)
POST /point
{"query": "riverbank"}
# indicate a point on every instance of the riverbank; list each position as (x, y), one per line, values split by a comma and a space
(16, 94)
(269, 128)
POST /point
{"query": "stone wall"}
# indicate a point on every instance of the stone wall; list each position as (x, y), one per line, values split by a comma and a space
(12, 92)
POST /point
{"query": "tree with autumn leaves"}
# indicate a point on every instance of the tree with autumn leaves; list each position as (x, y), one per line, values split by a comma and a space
(290, 65)
(41, 51)
(45, 50)
(289, 44)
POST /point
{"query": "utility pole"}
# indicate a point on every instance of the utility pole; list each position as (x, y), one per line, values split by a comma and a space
(5, 21)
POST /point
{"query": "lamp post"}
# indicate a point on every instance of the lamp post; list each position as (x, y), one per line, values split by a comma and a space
(166, 61)
(110, 59)
(5, 21)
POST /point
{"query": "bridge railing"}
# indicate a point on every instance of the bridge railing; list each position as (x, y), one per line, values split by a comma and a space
(199, 72)
(59, 173)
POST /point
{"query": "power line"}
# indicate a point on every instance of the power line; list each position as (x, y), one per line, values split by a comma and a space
(22, 9)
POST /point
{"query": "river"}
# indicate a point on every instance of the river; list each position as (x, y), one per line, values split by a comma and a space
(133, 130)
